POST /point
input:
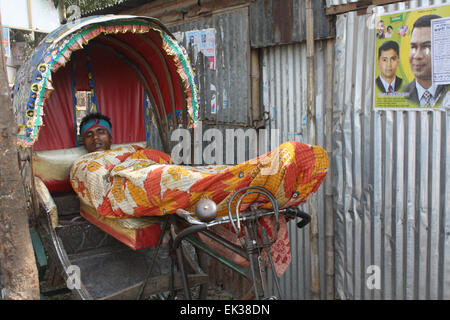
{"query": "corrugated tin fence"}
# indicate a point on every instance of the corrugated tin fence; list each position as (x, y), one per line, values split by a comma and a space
(385, 204)
(284, 99)
(390, 183)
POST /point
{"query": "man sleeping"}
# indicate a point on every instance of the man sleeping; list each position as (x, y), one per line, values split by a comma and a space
(95, 129)
(132, 181)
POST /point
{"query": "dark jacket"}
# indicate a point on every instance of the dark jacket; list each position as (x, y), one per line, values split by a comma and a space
(413, 96)
(398, 84)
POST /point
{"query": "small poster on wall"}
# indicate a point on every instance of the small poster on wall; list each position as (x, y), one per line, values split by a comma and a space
(412, 69)
(205, 41)
(6, 42)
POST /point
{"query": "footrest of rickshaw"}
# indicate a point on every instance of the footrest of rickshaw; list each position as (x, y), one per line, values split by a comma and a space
(116, 272)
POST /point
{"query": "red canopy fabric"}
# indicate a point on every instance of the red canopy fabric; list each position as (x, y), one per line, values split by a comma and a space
(119, 93)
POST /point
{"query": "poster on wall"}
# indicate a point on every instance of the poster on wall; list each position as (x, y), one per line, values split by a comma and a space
(412, 60)
(205, 41)
(6, 42)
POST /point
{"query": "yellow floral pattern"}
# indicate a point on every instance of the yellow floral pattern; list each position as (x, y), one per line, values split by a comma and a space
(133, 181)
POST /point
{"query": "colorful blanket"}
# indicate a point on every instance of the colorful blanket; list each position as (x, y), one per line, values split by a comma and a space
(133, 181)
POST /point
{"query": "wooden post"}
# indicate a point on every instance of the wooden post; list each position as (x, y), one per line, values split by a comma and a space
(313, 228)
(329, 213)
(254, 78)
(17, 261)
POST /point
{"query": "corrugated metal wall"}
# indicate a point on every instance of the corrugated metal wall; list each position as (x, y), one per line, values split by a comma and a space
(275, 22)
(230, 77)
(391, 181)
(285, 103)
(227, 84)
(385, 200)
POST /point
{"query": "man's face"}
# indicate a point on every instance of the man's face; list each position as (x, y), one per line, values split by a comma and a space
(97, 139)
(388, 63)
(420, 53)
(380, 26)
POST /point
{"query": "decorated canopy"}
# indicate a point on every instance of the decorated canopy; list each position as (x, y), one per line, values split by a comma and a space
(127, 63)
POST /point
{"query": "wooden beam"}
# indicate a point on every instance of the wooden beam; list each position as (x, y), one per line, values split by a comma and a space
(357, 6)
(161, 7)
(311, 115)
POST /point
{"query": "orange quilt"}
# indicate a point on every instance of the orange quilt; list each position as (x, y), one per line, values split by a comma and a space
(132, 181)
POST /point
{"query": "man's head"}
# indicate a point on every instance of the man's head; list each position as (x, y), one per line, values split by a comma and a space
(380, 26)
(420, 49)
(388, 59)
(95, 129)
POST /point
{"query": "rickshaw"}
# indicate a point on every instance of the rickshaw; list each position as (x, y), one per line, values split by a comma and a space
(133, 70)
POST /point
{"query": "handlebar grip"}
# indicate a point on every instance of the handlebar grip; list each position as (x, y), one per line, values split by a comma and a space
(306, 218)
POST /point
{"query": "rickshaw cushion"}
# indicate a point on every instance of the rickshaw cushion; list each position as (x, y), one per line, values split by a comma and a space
(136, 233)
(53, 166)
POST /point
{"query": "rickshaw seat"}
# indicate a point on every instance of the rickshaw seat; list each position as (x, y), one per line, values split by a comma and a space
(137, 233)
(53, 166)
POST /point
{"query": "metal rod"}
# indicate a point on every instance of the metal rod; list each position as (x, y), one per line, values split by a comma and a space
(263, 191)
(144, 283)
(64, 259)
(187, 291)
(269, 256)
(227, 244)
(218, 257)
(251, 253)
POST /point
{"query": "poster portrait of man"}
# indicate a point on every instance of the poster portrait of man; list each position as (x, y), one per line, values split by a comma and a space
(421, 90)
(403, 69)
(388, 61)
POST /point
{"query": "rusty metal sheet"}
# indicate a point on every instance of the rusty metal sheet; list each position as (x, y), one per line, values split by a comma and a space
(274, 22)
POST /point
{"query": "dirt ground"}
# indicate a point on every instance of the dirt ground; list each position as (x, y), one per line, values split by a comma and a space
(214, 293)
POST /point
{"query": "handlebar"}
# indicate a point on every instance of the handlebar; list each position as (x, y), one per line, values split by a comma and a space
(295, 212)
(199, 227)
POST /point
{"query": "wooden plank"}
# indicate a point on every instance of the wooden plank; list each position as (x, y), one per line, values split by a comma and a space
(160, 8)
(38, 247)
(157, 284)
(357, 6)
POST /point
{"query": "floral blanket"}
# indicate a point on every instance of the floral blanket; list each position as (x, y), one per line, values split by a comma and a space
(134, 181)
